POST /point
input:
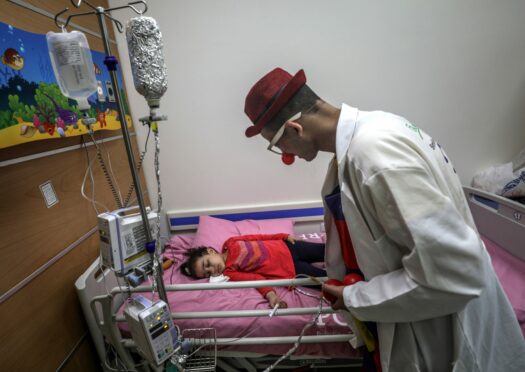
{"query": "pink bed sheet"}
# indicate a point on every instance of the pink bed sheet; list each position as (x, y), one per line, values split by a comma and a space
(250, 299)
(511, 273)
(509, 269)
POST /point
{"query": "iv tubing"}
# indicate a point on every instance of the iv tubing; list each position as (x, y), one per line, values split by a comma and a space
(100, 12)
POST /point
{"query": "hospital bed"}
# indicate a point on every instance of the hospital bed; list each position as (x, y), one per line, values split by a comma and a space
(501, 223)
(241, 333)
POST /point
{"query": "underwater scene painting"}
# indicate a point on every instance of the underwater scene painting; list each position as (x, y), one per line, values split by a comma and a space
(32, 106)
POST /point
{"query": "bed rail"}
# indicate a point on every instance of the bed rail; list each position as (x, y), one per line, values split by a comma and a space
(307, 215)
(230, 285)
(226, 285)
(102, 300)
(109, 323)
(129, 343)
(498, 219)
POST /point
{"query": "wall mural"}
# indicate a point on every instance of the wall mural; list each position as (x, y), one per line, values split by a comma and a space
(32, 107)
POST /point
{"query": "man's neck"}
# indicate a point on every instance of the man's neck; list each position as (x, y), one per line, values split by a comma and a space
(328, 117)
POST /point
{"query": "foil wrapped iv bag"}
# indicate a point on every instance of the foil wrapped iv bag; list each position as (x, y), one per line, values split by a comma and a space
(147, 60)
(72, 65)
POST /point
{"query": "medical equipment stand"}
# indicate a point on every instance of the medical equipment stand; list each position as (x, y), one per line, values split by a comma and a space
(111, 63)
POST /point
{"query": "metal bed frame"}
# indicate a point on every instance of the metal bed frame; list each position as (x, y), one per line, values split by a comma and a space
(101, 296)
(500, 219)
(497, 218)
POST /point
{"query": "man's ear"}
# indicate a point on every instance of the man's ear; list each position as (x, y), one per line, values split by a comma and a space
(295, 125)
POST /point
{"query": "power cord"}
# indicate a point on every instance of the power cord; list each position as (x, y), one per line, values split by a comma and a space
(139, 166)
(107, 175)
(89, 172)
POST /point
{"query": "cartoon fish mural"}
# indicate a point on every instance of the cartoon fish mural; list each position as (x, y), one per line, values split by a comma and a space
(101, 118)
(27, 131)
(13, 59)
(61, 127)
(69, 117)
(42, 127)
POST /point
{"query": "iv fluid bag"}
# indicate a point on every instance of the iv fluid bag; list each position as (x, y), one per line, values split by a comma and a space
(73, 65)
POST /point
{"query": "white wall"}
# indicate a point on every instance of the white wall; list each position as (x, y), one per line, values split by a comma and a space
(454, 68)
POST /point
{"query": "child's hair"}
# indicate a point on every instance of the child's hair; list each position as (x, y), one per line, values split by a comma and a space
(188, 267)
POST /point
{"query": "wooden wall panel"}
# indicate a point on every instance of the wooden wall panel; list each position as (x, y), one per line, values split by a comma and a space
(82, 360)
(38, 232)
(32, 234)
(43, 321)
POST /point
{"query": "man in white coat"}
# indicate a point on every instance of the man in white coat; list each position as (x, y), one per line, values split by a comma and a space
(429, 284)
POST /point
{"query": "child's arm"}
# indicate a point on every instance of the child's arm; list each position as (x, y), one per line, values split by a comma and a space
(273, 299)
(239, 276)
(267, 292)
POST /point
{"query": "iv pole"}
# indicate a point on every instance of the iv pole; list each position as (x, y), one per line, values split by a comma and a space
(111, 63)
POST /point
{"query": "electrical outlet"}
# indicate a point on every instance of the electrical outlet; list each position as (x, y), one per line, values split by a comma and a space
(50, 197)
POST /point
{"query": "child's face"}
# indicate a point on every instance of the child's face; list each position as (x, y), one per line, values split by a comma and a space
(211, 264)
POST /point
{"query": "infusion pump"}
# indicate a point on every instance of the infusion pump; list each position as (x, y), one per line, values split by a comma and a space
(151, 327)
(123, 239)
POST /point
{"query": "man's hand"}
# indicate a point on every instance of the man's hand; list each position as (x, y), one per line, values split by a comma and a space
(337, 292)
(273, 300)
(291, 239)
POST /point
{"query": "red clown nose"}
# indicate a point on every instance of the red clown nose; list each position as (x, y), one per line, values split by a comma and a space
(288, 159)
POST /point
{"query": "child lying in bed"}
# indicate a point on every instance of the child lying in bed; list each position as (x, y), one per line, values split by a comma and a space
(257, 257)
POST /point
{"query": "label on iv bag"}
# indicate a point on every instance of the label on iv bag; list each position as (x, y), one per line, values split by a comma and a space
(72, 64)
(68, 53)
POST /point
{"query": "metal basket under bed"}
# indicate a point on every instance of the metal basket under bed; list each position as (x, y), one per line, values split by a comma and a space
(202, 356)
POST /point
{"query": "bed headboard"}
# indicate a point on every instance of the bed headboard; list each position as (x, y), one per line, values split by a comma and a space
(499, 219)
(308, 216)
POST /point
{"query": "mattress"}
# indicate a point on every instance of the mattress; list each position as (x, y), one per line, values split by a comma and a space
(509, 269)
(250, 299)
(511, 274)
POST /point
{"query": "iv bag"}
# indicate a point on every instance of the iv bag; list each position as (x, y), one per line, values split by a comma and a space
(73, 65)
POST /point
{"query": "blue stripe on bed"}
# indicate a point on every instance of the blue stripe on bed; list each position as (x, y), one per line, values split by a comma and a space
(266, 215)
(488, 202)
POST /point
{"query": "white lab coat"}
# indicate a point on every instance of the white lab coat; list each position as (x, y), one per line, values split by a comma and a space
(429, 283)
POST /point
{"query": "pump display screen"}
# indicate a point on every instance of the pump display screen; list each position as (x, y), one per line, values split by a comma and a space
(158, 330)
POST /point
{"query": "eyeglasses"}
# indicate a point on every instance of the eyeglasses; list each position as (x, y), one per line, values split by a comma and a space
(279, 134)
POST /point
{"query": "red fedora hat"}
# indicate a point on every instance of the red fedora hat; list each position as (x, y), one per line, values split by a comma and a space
(269, 95)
